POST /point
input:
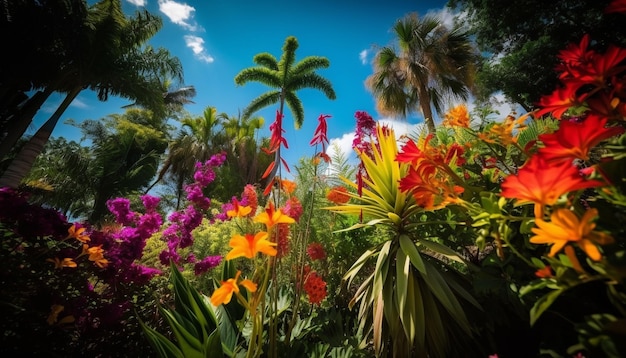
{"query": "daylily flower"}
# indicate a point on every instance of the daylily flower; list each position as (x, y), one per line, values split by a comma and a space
(66, 262)
(271, 217)
(238, 211)
(78, 234)
(249, 245)
(544, 183)
(96, 254)
(565, 227)
(224, 293)
(575, 139)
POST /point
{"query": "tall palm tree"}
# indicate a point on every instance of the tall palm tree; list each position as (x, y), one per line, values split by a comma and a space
(433, 64)
(243, 146)
(285, 77)
(113, 61)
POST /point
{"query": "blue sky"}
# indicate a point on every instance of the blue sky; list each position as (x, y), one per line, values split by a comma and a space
(215, 39)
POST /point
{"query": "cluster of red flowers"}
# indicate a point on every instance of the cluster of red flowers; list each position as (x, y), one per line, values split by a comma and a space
(314, 286)
(592, 79)
(428, 178)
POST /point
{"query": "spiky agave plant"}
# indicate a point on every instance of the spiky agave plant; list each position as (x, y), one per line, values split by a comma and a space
(409, 303)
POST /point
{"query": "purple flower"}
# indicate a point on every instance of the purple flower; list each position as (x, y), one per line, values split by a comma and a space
(120, 207)
(150, 202)
(206, 264)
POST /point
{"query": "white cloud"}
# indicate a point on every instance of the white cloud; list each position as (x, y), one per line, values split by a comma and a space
(179, 13)
(79, 104)
(197, 46)
(137, 2)
(363, 56)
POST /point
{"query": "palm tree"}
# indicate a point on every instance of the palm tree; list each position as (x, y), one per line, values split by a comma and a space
(197, 140)
(285, 77)
(434, 63)
(112, 62)
(243, 146)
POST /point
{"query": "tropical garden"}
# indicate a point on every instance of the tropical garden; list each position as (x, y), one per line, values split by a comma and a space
(170, 234)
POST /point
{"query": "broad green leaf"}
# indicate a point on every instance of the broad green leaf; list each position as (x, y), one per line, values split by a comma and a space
(161, 344)
(408, 246)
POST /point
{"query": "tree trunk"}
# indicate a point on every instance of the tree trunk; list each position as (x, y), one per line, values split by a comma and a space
(23, 162)
(424, 100)
(21, 120)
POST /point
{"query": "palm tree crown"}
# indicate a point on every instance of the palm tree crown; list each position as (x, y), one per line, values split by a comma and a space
(286, 77)
(433, 64)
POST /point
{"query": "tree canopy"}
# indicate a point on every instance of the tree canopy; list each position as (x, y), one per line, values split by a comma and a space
(522, 38)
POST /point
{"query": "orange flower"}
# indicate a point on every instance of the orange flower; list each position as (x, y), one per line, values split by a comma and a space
(575, 139)
(96, 254)
(271, 217)
(224, 293)
(59, 264)
(78, 234)
(338, 195)
(249, 245)
(503, 133)
(565, 227)
(288, 186)
(544, 183)
(457, 117)
(238, 210)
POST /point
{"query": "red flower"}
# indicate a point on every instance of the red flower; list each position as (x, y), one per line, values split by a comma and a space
(315, 288)
(559, 101)
(616, 6)
(319, 137)
(575, 139)
(541, 182)
(316, 251)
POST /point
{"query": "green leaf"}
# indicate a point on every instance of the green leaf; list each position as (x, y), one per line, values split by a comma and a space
(542, 304)
(408, 246)
(213, 346)
(163, 346)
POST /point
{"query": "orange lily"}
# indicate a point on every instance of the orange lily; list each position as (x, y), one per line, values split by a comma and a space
(78, 234)
(224, 293)
(271, 217)
(238, 210)
(565, 227)
(249, 245)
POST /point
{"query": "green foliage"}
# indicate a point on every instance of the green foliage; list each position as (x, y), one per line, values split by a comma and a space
(199, 331)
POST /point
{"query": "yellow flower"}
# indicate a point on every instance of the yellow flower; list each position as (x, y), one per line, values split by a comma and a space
(271, 217)
(66, 262)
(250, 245)
(224, 293)
(565, 227)
(238, 210)
(78, 234)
